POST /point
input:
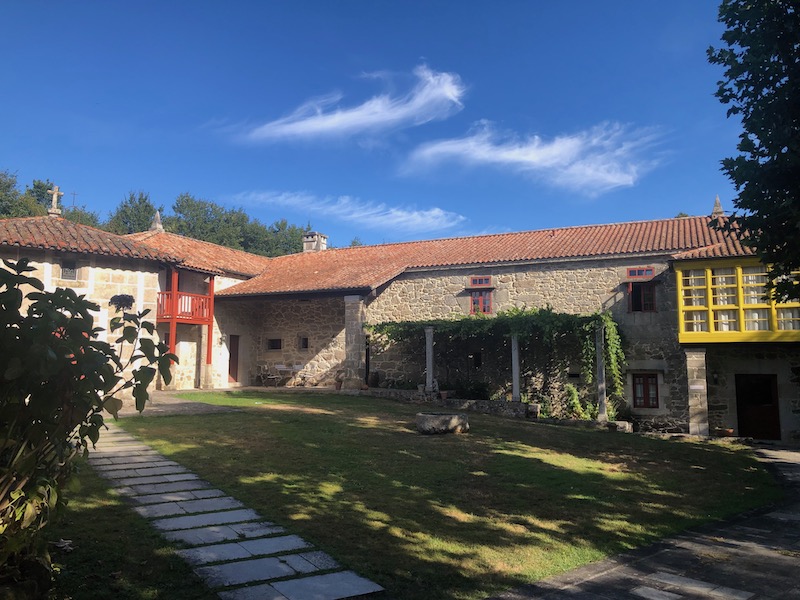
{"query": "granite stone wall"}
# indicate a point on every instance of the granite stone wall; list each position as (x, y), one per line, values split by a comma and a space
(318, 324)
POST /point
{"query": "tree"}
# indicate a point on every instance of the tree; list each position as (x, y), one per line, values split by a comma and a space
(761, 58)
(210, 222)
(37, 192)
(56, 379)
(135, 213)
(82, 216)
(356, 241)
(14, 203)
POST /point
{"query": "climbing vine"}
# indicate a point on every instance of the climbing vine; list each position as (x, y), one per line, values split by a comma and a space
(543, 331)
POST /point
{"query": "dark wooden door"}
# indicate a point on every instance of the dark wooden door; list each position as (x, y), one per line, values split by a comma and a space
(757, 406)
(233, 362)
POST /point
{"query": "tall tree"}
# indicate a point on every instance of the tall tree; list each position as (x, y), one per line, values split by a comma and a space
(761, 57)
(135, 213)
(37, 192)
(14, 203)
(208, 221)
(81, 215)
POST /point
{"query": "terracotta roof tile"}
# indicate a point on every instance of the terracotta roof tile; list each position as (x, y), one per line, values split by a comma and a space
(49, 233)
(368, 267)
(204, 256)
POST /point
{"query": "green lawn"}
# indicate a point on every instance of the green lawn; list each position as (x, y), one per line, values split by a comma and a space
(456, 516)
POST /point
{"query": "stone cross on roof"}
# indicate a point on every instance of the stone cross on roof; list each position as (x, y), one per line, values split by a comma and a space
(54, 211)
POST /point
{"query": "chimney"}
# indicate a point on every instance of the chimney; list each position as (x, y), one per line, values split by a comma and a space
(314, 241)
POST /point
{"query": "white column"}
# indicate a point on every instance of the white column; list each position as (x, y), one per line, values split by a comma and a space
(429, 359)
(515, 395)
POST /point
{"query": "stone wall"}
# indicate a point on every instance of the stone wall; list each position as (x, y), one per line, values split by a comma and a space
(320, 321)
(724, 361)
(578, 287)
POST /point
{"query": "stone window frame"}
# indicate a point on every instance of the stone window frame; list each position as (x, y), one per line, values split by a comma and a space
(69, 269)
(648, 379)
(301, 338)
(272, 346)
(480, 301)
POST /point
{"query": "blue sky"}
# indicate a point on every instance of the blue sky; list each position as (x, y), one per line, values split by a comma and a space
(388, 121)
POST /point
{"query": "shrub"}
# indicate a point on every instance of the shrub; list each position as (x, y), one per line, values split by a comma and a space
(56, 379)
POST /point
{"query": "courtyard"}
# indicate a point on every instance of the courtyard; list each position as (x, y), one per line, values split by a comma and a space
(451, 517)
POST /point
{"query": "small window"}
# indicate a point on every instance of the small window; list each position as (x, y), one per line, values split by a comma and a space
(480, 281)
(642, 296)
(302, 343)
(69, 270)
(481, 302)
(645, 390)
(274, 344)
(641, 272)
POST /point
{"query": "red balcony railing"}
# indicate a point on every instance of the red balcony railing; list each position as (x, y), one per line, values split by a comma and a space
(191, 307)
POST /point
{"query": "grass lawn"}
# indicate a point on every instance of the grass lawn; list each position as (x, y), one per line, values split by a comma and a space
(455, 516)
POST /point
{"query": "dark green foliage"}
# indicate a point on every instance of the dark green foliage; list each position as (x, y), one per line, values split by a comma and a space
(210, 222)
(56, 379)
(14, 203)
(134, 214)
(82, 216)
(761, 58)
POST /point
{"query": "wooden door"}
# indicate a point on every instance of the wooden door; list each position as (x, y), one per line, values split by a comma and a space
(233, 361)
(757, 406)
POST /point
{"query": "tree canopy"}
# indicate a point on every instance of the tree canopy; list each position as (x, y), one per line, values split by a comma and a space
(134, 214)
(761, 85)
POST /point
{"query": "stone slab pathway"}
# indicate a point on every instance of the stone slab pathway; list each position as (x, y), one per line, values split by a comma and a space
(232, 548)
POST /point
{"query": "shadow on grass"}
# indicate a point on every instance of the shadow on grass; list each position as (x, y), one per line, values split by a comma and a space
(453, 516)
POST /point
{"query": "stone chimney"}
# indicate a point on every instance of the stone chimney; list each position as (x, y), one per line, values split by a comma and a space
(314, 241)
(717, 211)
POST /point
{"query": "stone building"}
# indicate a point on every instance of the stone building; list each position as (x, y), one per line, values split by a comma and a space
(705, 348)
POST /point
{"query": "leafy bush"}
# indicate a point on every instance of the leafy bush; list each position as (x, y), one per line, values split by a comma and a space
(56, 379)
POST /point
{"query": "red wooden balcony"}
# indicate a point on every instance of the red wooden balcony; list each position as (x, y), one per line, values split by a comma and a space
(192, 308)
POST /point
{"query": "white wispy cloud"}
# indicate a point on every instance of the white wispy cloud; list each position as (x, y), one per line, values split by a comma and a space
(435, 96)
(374, 215)
(594, 161)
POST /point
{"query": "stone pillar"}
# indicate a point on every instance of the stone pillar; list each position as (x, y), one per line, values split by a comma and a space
(429, 359)
(698, 391)
(599, 349)
(515, 395)
(354, 342)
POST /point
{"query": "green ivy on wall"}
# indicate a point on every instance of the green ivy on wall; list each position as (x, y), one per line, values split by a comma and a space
(543, 329)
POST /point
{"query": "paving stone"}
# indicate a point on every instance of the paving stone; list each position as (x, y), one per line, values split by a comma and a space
(176, 496)
(255, 529)
(653, 594)
(321, 560)
(254, 592)
(326, 587)
(210, 504)
(687, 584)
(103, 469)
(172, 486)
(245, 571)
(143, 472)
(298, 563)
(193, 521)
(275, 545)
(218, 552)
(154, 511)
(222, 533)
(155, 479)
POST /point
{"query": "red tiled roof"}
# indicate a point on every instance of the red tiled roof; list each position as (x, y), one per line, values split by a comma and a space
(368, 267)
(204, 256)
(49, 233)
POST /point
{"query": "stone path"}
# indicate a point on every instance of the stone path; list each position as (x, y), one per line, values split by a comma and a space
(232, 548)
(751, 557)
